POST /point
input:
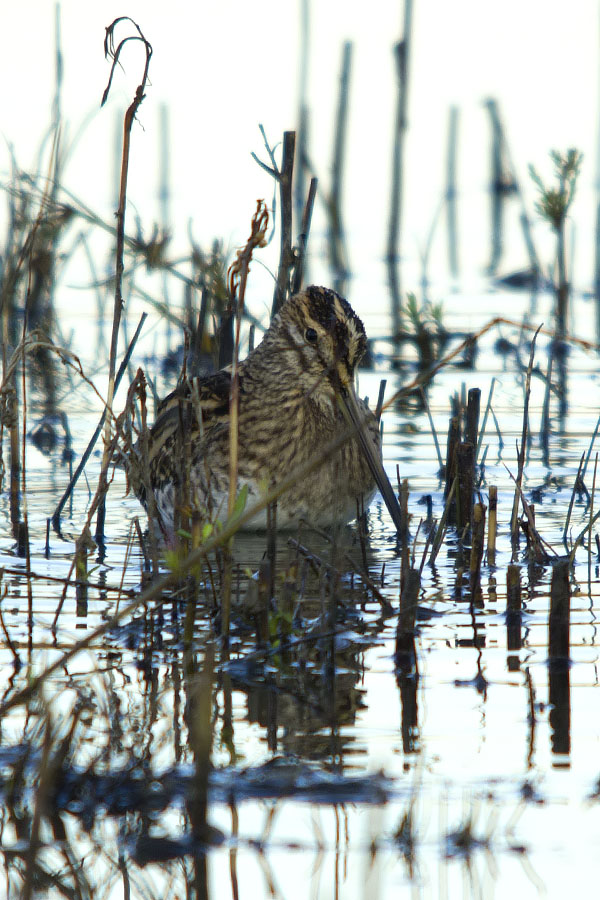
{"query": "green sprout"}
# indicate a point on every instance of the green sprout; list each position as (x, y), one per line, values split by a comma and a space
(555, 201)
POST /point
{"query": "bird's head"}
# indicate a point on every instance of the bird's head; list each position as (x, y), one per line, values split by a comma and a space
(326, 337)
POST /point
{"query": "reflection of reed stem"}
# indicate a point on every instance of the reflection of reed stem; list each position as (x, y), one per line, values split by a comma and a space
(477, 543)
(394, 248)
(451, 192)
(513, 607)
(492, 525)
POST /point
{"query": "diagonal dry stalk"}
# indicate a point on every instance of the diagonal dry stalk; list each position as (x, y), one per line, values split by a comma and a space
(114, 52)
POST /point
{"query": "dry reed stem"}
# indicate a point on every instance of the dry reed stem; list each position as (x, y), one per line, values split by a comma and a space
(114, 53)
(286, 255)
(303, 236)
(237, 278)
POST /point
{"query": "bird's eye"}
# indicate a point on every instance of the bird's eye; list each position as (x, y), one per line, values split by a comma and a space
(311, 335)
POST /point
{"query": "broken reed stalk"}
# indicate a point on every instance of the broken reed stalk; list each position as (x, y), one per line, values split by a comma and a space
(492, 525)
(113, 52)
(560, 611)
(513, 607)
(514, 528)
(284, 177)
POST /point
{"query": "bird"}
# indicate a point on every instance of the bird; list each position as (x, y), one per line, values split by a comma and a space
(296, 396)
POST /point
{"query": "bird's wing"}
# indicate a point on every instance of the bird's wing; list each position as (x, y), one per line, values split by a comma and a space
(205, 398)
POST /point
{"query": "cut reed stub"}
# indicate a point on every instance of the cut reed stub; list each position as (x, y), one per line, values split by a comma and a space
(472, 423)
(465, 458)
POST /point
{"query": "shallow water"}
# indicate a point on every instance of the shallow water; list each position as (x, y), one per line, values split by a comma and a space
(335, 773)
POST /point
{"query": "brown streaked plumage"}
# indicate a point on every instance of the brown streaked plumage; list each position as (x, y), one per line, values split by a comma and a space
(290, 388)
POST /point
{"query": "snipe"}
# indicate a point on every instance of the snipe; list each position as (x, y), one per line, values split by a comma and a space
(296, 394)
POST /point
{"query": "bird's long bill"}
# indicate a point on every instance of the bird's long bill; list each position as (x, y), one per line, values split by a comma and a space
(357, 418)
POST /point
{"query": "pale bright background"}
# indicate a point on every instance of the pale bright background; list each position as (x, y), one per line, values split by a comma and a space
(221, 68)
